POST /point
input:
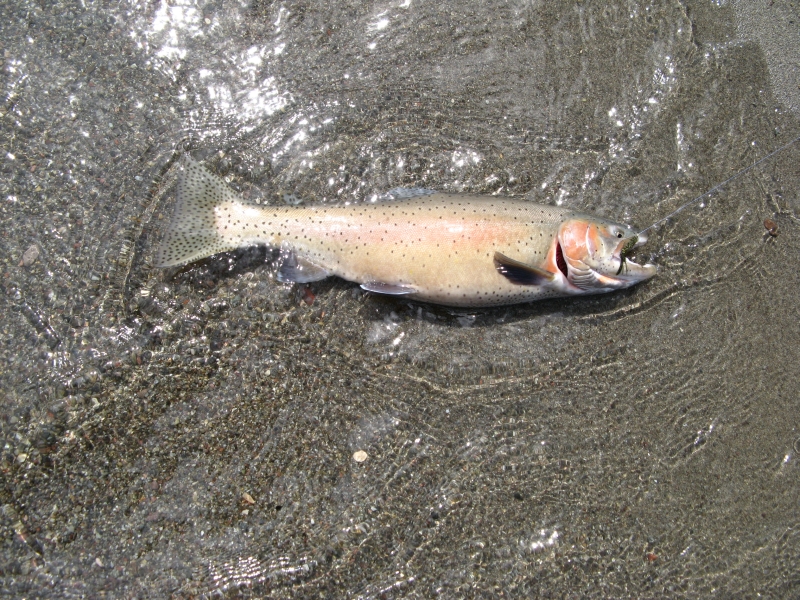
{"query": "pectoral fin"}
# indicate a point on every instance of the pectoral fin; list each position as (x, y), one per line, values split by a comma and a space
(519, 273)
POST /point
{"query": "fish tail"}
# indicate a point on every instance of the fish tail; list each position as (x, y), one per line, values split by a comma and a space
(193, 232)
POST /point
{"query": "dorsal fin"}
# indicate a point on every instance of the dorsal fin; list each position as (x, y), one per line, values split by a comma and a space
(403, 193)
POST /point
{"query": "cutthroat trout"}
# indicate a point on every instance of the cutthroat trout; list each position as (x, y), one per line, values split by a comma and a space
(450, 249)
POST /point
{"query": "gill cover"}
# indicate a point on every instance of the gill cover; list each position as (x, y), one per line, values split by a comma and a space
(593, 248)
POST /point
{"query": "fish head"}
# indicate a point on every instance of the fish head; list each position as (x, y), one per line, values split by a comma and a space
(594, 255)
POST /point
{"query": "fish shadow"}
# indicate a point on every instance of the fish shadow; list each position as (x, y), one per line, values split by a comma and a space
(599, 307)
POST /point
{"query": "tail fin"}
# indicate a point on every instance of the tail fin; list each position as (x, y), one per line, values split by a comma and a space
(192, 234)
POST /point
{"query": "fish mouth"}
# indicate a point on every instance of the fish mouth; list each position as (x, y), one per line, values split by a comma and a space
(640, 240)
(634, 273)
(631, 272)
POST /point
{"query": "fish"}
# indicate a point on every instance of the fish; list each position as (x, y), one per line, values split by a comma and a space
(450, 249)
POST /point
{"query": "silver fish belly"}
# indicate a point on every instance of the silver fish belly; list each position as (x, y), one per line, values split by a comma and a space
(449, 249)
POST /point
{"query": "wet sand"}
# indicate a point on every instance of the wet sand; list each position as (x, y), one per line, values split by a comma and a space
(209, 430)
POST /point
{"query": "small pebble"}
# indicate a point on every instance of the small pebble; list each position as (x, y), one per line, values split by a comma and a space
(248, 498)
(359, 456)
(30, 255)
(771, 227)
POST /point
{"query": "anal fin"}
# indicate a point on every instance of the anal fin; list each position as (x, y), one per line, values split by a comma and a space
(295, 269)
(520, 273)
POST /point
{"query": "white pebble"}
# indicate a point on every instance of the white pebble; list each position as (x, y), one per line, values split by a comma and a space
(30, 256)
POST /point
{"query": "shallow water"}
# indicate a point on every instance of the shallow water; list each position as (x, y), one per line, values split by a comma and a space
(201, 431)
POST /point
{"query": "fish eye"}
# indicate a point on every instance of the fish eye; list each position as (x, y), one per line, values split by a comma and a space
(619, 234)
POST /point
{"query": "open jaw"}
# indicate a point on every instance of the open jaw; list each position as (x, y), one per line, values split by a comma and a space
(613, 271)
(604, 268)
(630, 272)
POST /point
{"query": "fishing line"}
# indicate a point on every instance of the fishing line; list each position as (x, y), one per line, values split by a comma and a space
(724, 183)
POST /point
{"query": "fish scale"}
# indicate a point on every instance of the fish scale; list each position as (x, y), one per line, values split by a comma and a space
(450, 249)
